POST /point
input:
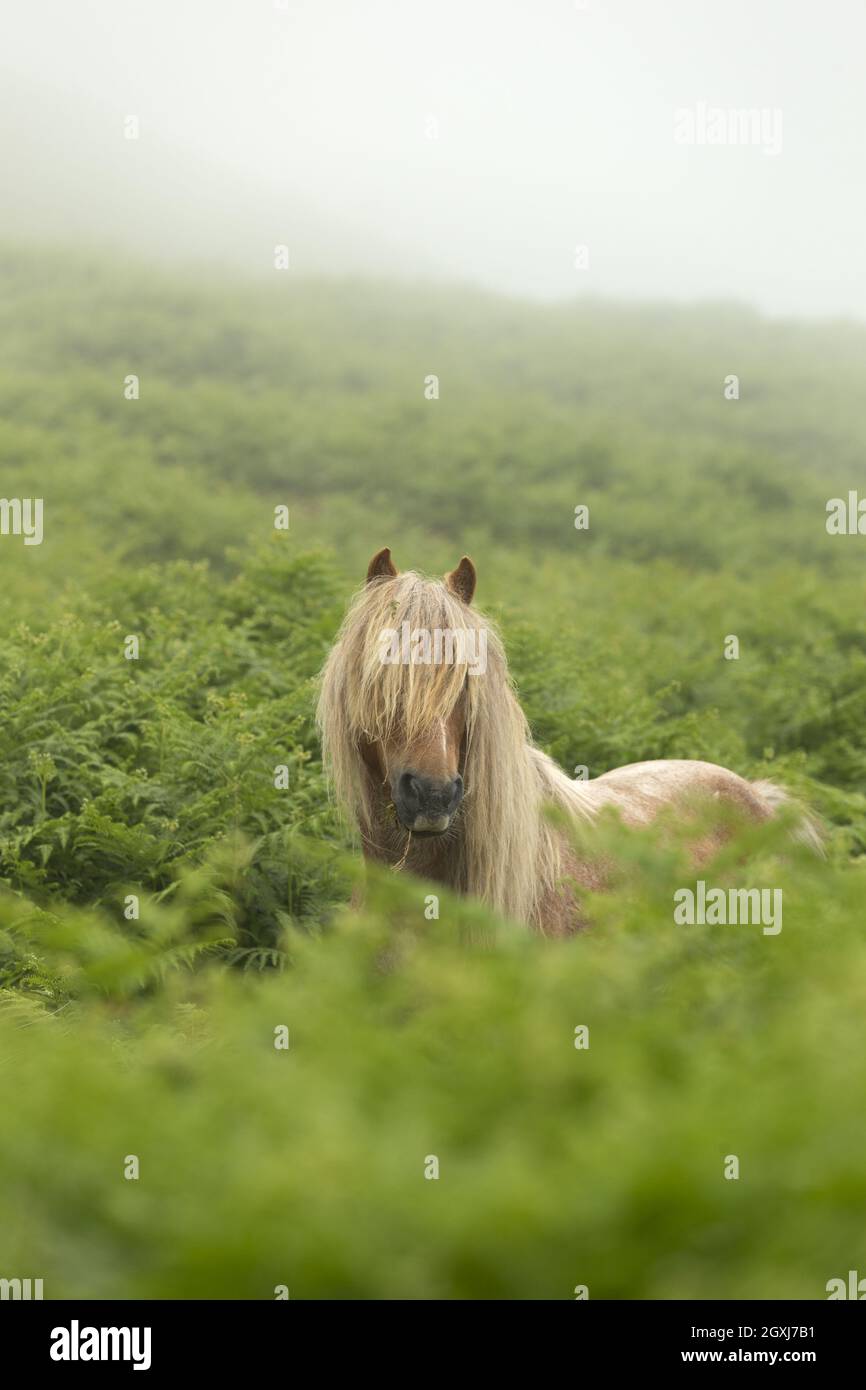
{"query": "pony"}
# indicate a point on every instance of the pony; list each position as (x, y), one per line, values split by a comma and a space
(429, 752)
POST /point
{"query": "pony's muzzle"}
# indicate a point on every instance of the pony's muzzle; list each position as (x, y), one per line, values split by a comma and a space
(425, 805)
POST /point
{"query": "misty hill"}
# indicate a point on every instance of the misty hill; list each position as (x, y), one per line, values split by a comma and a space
(155, 778)
(707, 515)
(313, 392)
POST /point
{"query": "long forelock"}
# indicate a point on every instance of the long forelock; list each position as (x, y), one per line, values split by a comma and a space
(384, 699)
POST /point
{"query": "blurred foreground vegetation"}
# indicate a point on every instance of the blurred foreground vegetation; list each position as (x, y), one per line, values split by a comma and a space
(154, 1035)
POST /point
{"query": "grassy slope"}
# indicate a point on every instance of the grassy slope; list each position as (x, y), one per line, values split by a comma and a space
(558, 1167)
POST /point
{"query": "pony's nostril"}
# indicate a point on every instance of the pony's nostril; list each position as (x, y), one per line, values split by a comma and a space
(456, 793)
(410, 791)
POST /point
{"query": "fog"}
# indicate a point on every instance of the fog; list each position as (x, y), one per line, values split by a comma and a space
(539, 149)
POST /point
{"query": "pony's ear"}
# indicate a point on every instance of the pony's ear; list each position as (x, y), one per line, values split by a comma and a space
(462, 580)
(381, 566)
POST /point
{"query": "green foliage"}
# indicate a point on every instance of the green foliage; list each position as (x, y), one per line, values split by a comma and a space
(119, 771)
(411, 1038)
(153, 1032)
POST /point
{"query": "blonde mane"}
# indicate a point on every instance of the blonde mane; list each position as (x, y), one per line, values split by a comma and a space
(503, 849)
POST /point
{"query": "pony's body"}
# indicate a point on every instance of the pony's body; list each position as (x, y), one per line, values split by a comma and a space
(404, 740)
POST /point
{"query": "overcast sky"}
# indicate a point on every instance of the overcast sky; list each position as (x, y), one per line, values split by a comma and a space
(483, 139)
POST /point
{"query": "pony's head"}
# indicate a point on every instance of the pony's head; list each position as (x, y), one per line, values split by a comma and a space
(400, 692)
(422, 736)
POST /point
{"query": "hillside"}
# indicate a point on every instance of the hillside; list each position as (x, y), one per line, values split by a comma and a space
(153, 1035)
